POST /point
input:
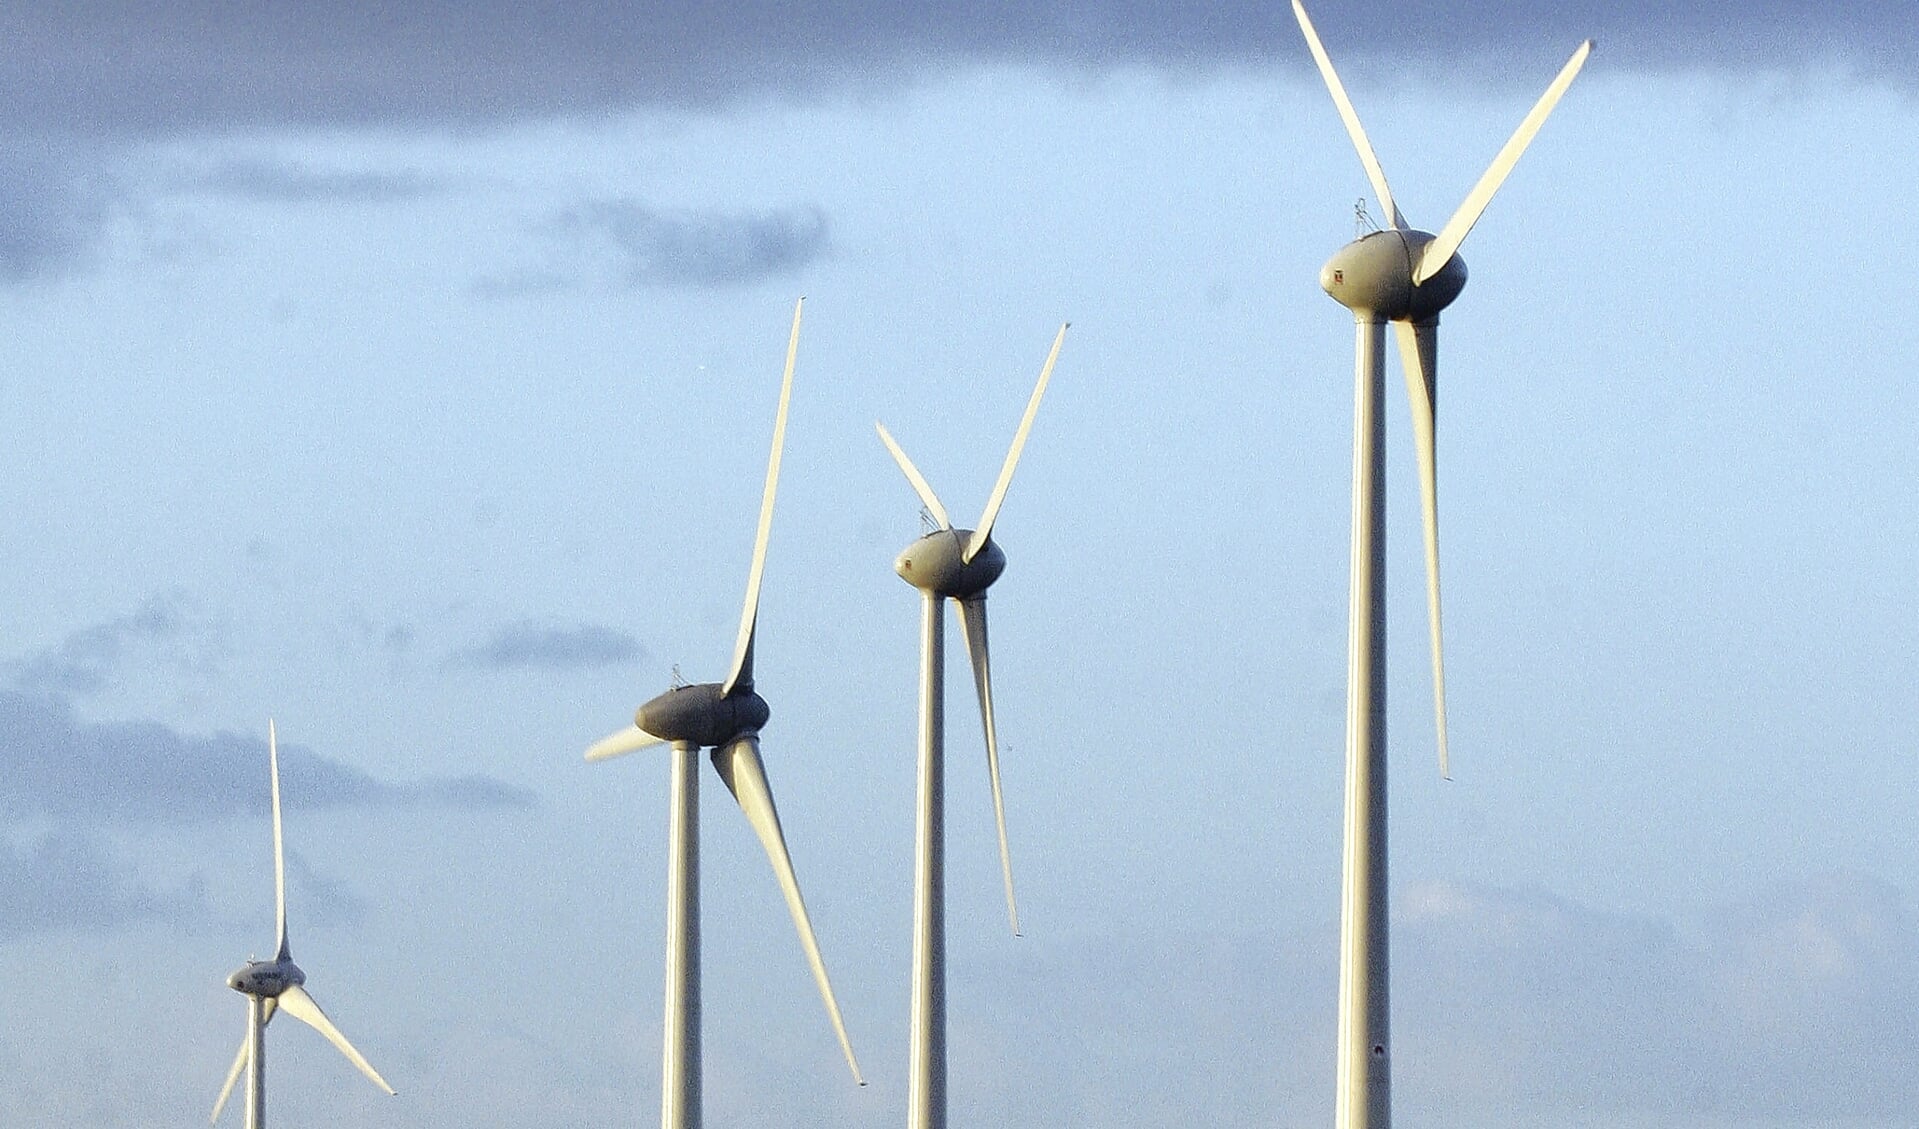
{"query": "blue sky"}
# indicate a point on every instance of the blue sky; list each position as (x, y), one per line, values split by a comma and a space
(422, 406)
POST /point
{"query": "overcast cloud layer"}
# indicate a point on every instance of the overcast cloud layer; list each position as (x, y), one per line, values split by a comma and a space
(146, 69)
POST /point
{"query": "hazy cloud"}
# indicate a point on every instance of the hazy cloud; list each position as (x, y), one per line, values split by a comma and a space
(1197, 1008)
(1802, 1003)
(364, 629)
(56, 766)
(65, 880)
(626, 243)
(55, 206)
(1799, 1006)
(86, 661)
(527, 645)
(292, 182)
(324, 901)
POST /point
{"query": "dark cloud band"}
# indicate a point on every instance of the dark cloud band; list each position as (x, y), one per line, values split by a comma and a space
(148, 69)
(285, 182)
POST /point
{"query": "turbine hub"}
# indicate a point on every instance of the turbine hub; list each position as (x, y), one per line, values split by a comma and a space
(935, 563)
(266, 978)
(1373, 275)
(700, 715)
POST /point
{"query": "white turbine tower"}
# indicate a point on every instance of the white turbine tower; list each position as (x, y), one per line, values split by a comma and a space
(955, 564)
(726, 717)
(277, 985)
(1405, 277)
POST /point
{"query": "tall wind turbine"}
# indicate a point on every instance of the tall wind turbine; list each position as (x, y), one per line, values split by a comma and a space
(1405, 277)
(276, 985)
(726, 717)
(958, 565)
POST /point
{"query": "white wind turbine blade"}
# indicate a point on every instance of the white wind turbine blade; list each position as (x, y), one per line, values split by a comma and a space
(239, 1065)
(233, 1077)
(1419, 354)
(1449, 238)
(739, 766)
(973, 629)
(920, 486)
(742, 671)
(301, 1007)
(1348, 115)
(279, 851)
(984, 530)
(628, 740)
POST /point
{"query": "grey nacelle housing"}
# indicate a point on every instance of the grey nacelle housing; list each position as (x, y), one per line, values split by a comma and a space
(266, 978)
(935, 563)
(1374, 275)
(699, 715)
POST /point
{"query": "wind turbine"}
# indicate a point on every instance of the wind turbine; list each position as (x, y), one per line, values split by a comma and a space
(1405, 277)
(277, 985)
(726, 717)
(958, 565)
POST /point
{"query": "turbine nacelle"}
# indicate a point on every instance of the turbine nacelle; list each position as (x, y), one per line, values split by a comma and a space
(266, 979)
(937, 563)
(703, 715)
(1374, 275)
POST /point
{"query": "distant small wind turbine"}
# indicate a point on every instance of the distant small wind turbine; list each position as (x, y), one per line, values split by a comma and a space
(1405, 277)
(960, 565)
(277, 985)
(726, 717)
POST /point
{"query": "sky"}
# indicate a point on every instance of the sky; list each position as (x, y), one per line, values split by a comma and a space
(404, 374)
